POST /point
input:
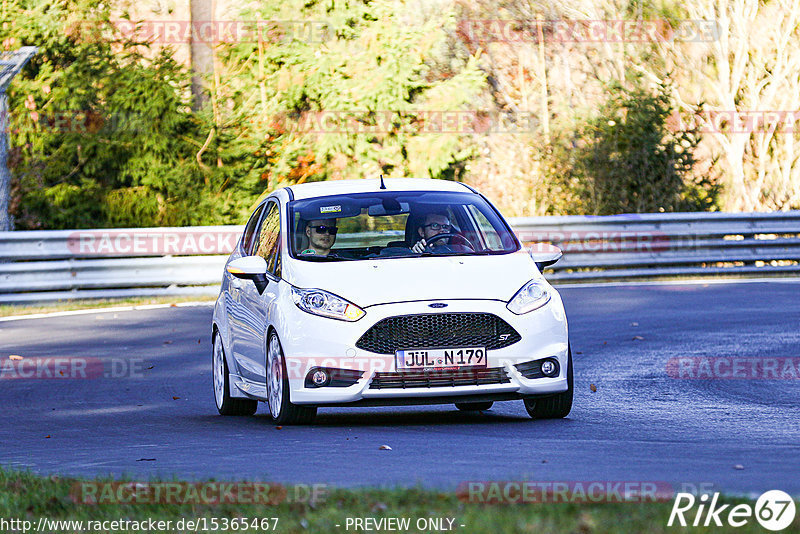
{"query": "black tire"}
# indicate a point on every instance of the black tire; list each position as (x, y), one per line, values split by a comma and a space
(287, 413)
(474, 406)
(227, 405)
(554, 406)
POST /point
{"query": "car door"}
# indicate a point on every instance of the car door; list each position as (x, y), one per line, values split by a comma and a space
(254, 305)
(232, 289)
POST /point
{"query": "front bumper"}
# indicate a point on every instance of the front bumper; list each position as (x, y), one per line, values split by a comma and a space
(309, 341)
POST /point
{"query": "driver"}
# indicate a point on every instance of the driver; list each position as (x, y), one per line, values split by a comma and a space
(434, 224)
(321, 235)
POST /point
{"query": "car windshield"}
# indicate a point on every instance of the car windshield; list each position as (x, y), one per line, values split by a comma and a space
(397, 224)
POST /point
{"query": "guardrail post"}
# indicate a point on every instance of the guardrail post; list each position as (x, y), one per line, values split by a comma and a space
(10, 64)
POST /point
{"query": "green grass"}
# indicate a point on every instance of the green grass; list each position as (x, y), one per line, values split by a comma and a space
(27, 496)
(27, 309)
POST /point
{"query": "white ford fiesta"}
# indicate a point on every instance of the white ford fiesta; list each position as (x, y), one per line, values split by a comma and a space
(367, 293)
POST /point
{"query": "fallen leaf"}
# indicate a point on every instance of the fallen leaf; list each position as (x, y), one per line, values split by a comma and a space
(593, 388)
(175, 398)
(15, 357)
(637, 338)
(47, 436)
(61, 373)
(148, 368)
(605, 342)
(173, 305)
(738, 467)
(146, 460)
(278, 428)
(199, 341)
(385, 448)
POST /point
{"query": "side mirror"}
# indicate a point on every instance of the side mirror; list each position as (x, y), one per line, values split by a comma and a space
(250, 268)
(545, 254)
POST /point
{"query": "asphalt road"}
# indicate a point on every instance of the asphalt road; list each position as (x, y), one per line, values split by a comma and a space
(640, 424)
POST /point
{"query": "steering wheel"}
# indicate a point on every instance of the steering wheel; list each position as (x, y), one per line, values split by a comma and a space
(449, 235)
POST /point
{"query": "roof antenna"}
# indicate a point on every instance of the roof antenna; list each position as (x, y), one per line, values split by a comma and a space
(383, 185)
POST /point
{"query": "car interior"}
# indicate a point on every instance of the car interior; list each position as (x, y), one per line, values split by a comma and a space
(392, 247)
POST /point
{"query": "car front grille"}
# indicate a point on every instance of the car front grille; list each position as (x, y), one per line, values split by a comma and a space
(439, 378)
(438, 330)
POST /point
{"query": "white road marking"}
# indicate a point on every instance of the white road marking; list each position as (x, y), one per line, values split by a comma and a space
(115, 309)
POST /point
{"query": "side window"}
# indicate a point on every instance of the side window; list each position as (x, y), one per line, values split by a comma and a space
(493, 240)
(269, 239)
(250, 230)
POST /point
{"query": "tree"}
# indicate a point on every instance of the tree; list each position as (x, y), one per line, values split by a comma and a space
(629, 161)
(102, 125)
(350, 95)
(747, 70)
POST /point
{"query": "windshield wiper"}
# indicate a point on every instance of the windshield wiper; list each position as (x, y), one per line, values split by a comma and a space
(450, 254)
(329, 257)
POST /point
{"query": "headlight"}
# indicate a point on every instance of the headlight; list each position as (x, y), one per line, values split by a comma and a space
(532, 296)
(319, 302)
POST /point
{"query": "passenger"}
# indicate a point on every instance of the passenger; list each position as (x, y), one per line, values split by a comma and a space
(321, 235)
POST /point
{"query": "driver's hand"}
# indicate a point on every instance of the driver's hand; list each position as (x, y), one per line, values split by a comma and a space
(419, 247)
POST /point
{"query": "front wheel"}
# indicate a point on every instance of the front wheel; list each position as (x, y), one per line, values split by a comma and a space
(555, 406)
(227, 405)
(283, 412)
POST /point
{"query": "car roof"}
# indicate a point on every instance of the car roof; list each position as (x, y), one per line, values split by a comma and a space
(367, 185)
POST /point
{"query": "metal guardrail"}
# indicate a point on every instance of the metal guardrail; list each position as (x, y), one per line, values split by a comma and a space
(69, 264)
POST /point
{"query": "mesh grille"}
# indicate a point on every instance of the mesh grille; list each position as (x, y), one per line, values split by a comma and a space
(433, 379)
(438, 330)
(530, 369)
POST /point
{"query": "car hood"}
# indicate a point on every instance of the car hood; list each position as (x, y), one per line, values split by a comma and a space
(370, 282)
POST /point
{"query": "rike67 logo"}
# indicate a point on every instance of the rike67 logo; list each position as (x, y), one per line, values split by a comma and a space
(774, 510)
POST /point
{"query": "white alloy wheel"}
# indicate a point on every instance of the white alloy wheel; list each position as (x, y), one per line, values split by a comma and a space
(282, 410)
(219, 372)
(226, 405)
(275, 377)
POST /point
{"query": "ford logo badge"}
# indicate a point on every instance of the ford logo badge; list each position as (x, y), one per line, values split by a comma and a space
(438, 305)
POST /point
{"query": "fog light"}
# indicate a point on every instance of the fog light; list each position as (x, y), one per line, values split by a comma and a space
(320, 378)
(549, 368)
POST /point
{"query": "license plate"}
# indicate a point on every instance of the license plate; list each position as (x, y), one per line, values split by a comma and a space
(441, 358)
